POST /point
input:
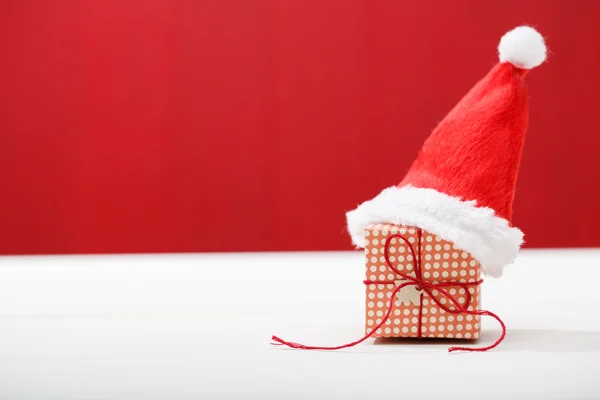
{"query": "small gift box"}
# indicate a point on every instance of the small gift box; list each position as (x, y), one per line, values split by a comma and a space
(417, 283)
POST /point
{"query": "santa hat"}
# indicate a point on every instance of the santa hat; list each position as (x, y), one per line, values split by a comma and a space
(462, 184)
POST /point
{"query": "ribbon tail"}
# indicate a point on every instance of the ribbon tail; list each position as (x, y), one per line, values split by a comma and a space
(280, 342)
(486, 348)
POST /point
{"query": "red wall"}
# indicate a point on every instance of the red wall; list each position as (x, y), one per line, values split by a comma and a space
(161, 125)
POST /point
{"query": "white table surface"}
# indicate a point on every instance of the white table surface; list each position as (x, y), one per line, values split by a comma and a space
(199, 326)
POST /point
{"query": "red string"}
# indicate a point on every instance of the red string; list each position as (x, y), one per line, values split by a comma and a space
(280, 342)
(418, 274)
(420, 324)
(424, 287)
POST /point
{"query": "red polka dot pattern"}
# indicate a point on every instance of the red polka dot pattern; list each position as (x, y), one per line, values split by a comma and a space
(441, 262)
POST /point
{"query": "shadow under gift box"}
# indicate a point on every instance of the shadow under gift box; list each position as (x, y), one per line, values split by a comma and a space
(434, 276)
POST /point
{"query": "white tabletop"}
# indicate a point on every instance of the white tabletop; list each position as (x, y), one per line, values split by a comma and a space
(194, 326)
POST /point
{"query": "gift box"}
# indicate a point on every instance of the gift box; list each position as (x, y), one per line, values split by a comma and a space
(420, 282)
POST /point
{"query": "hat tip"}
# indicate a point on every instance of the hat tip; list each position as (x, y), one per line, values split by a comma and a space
(523, 47)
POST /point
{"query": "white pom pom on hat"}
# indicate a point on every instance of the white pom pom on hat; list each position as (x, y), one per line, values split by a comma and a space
(523, 47)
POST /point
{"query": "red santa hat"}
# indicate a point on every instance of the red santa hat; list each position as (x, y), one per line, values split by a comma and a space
(462, 184)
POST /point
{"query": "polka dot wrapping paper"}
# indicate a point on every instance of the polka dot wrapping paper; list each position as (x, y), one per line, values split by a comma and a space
(440, 263)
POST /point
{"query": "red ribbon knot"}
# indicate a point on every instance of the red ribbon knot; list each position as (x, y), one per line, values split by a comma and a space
(425, 287)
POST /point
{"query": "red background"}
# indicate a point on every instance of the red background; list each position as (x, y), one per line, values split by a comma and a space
(160, 125)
